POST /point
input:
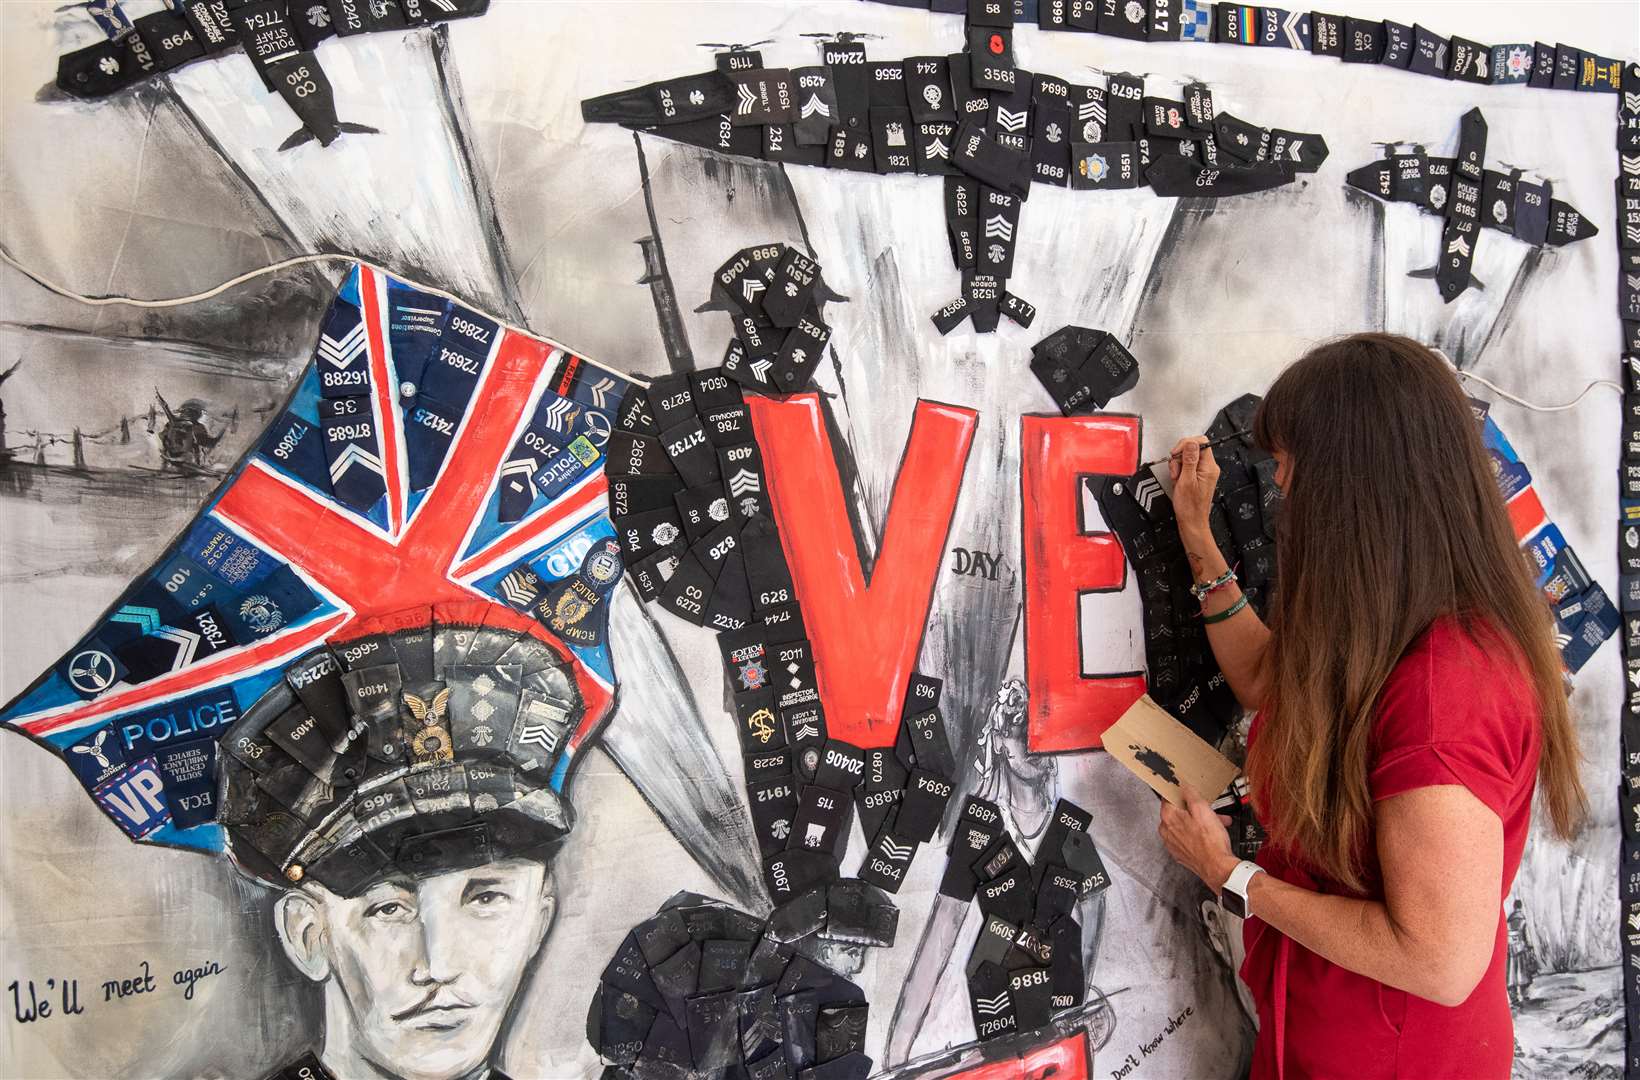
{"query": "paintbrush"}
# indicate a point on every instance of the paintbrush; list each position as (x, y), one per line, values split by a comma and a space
(1205, 446)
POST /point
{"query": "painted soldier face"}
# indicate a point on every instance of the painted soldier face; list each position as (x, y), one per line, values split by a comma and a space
(426, 970)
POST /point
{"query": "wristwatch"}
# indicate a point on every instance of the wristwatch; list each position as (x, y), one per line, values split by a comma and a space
(1233, 896)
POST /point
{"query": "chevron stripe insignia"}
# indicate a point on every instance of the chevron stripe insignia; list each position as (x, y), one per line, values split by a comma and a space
(560, 415)
(1011, 119)
(1631, 102)
(1631, 164)
(538, 735)
(897, 852)
(1146, 492)
(351, 455)
(600, 392)
(187, 643)
(999, 227)
(344, 350)
(991, 1006)
(744, 482)
(1292, 30)
(1459, 245)
(814, 107)
(521, 471)
(938, 149)
(747, 101)
(145, 619)
(517, 590)
(760, 369)
(750, 287)
(1631, 233)
(1091, 110)
(806, 730)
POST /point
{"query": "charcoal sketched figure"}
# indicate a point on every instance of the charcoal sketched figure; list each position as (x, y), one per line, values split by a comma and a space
(419, 976)
(1522, 964)
(186, 442)
(1022, 784)
(415, 858)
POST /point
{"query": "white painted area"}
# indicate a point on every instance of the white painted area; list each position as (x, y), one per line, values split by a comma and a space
(123, 196)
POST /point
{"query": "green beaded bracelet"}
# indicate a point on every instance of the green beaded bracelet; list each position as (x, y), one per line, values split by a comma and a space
(1241, 602)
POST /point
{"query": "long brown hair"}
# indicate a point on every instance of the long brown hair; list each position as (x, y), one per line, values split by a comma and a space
(1392, 519)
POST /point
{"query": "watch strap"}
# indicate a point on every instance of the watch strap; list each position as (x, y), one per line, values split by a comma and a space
(1238, 881)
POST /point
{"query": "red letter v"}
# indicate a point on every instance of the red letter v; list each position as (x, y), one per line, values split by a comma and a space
(865, 638)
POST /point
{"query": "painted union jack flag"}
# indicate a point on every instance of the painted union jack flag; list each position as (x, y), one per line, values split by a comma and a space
(431, 460)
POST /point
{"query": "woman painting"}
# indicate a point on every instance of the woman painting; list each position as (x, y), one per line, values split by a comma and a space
(1409, 702)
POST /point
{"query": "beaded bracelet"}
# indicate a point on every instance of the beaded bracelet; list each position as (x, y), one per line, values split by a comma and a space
(1200, 592)
(1209, 620)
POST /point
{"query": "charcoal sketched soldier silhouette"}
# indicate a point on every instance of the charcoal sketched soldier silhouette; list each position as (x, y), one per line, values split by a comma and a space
(1522, 962)
(186, 441)
(412, 834)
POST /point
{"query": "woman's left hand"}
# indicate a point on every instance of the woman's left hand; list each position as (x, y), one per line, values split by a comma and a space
(1197, 838)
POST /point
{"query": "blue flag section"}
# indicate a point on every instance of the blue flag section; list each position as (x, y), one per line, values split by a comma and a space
(385, 496)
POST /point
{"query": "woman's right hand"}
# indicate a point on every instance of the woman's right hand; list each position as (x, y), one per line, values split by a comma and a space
(1194, 474)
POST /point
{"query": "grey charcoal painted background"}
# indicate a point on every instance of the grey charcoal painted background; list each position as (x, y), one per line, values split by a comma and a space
(484, 180)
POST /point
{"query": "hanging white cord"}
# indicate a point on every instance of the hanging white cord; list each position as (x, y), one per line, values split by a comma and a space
(105, 301)
(1523, 403)
(302, 260)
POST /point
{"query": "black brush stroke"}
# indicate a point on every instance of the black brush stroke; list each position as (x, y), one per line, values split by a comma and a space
(453, 106)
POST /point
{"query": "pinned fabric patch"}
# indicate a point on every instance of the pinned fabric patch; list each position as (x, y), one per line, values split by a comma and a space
(675, 101)
(1498, 199)
(1109, 165)
(1566, 225)
(928, 88)
(1400, 45)
(1301, 152)
(1235, 24)
(1180, 176)
(1429, 53)
(1279, 28)
(1469, 61)
(1568, 64)
(981, 156)
(991, 58)
(1543, 66)
(1364, 41)
(1241, 140)
(1018, 310)
(1327, 37)
(1512, 63)
(990, 1002)
(1195, 20)
(1463, 213)
(763, 96)
(1124, 19)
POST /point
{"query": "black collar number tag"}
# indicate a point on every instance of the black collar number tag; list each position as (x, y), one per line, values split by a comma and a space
(741, 468)
(763, 96)
(928, 88)
(1429, 52)
(999, 222)
(891, 139)
(816, 105)
(1106, 166)
(991, 58)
